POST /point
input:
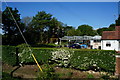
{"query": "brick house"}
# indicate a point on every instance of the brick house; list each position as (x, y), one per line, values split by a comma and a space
(111, 39)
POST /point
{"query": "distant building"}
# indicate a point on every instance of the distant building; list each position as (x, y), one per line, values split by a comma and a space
(111, 39)
(95, 42)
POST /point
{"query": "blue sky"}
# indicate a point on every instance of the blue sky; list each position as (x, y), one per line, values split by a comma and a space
(95, 14)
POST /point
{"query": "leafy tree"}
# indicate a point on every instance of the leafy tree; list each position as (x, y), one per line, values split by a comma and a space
(26, 20)
(53, 28)
(66, 29)
(111, 27)
(100, 30)
(56, 29)
(118, 21)
(40, 23)
(73, 32)
(10, 29)
(86, 30)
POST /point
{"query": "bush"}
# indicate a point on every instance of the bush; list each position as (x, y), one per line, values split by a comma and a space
(101, 60)
(9, 55)
(25, 53)
(42, 55)
(90, 76)
(48, 73)
(98, 60)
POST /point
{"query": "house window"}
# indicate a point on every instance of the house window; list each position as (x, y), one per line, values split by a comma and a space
(108, 44)
(97, 41)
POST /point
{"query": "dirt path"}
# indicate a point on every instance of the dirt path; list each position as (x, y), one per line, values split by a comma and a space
(27, 71)
(32, 71)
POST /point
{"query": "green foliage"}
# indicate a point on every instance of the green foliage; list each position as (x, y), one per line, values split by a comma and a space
(42, 55)
(62, 57)
(40, 22)
(94, 59)
(100, 30)
(118, 21)
(6, 76)
(69, 73)
(8, 55)
(105, 77)
(98, 60)
(90, 76)
(86, 30)
(10, 29)
(74, 32)
(110, 28)
(25, 53)
(67, 28)
(50, 45)
(27, 20)
(47, 74)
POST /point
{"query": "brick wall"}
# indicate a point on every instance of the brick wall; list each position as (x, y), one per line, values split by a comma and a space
(117, 28)
(117, 68)
(112, 34)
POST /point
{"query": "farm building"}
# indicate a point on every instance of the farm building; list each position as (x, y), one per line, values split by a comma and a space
(111, 39)
(95, 42)
(91, 41)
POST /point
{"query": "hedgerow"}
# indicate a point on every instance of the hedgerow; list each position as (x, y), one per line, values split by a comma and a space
(98, 60)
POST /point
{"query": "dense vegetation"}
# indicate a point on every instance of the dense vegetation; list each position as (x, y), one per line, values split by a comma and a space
(98, 60)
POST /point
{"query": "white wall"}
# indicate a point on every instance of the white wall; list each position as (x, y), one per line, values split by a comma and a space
(114, 45)
(119, 46)
(95, 44)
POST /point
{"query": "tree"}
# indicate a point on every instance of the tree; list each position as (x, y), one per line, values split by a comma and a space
(100, 30)
(40, 23)
(73, 32)
(9, 26)
(118, 21)
(86, 30)
(26, 20)
(56, 29)
(66, 29)
(111, 27)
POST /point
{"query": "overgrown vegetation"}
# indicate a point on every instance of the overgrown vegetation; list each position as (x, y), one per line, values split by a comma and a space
(97, 60)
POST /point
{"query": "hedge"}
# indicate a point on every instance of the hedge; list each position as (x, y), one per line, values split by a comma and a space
(80, 59)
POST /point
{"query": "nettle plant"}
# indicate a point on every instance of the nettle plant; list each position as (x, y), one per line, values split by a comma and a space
(62, 57)
(25, 54)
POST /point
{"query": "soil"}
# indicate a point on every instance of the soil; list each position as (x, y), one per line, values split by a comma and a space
(32, 71)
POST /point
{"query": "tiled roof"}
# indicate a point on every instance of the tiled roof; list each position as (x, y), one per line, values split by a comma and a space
(112, 34)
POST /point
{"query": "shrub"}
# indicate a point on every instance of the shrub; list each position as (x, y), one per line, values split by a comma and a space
(47, 74)
(98, 60)
(90, 76)
(101, 60)
(25, 53)
(9, 55)
(62, 57)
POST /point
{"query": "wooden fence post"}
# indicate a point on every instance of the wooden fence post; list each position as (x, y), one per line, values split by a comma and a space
(117, 67)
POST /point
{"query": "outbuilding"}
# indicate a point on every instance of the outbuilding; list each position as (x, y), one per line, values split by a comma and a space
(111, 39)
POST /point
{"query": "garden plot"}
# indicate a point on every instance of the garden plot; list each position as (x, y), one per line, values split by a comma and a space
(93, 61)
